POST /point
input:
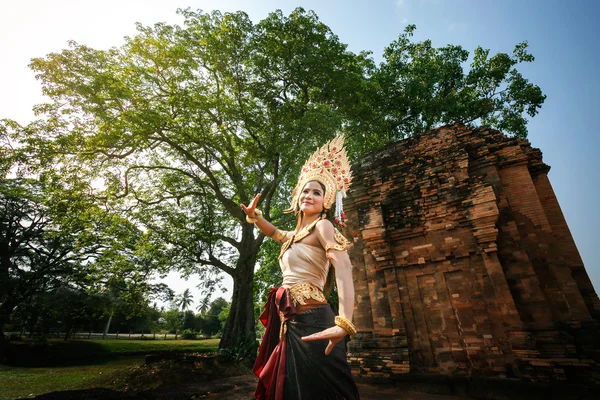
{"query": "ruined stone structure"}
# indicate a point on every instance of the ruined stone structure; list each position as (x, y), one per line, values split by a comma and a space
(464, 264)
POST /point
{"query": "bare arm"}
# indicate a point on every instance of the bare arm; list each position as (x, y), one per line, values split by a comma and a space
(265, 226)
(343, 273)
(343, 268)
(345, 284)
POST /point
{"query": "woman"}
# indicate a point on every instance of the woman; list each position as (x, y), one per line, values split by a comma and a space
(302, 355)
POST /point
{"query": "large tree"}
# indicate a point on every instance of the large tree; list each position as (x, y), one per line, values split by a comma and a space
(55, 238)
(39, 248)
(52, 237)
(183, 123)
(419, 87)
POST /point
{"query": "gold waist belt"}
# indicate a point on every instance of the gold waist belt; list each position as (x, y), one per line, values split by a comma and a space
(303, 291)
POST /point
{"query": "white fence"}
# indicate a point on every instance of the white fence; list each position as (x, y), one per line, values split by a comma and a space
(100, 335)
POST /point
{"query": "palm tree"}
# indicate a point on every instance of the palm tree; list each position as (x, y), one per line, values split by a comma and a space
(203, 307)
(184, 300)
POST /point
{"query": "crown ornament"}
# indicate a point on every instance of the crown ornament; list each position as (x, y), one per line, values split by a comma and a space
(330, 166)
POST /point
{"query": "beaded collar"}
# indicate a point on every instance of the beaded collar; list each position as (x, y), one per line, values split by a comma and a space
(304, 232)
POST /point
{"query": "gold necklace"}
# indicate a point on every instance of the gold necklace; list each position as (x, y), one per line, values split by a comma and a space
(304, 232)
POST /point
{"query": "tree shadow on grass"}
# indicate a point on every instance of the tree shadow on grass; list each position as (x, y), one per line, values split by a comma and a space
(55, 353)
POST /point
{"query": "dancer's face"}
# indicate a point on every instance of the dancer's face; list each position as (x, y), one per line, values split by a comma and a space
(311, 198)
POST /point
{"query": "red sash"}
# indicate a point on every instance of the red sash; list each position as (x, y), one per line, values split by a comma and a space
(270, 363)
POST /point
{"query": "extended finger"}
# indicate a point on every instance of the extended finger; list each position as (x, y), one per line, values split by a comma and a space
(255, 200)
(329, 348)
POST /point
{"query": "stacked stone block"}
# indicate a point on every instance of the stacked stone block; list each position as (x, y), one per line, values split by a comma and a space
(464, 264)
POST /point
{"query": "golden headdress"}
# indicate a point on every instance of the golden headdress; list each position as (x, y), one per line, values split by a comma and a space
(330, 166)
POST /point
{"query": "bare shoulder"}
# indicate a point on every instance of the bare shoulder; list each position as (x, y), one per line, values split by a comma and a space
(325, 228)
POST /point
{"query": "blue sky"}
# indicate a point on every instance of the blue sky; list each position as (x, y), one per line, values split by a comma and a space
(562, 35)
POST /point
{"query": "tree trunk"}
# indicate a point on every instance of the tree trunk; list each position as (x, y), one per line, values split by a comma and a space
(6, 305)
(6, 309)
(3, 346)
(239, 328)
(68, 331)
(3, 342)
(107, 327)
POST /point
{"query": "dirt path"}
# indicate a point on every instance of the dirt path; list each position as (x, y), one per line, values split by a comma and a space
(242, 388)
(237, 388)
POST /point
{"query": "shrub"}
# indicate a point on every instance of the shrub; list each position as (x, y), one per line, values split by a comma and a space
(188, 334)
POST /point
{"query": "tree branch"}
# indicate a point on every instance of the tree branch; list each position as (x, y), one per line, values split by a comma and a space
(215, 262)
(233, 208)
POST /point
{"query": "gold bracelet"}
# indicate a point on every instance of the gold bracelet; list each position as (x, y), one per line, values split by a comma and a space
(257, 213)
(278, 236)
(346, 325)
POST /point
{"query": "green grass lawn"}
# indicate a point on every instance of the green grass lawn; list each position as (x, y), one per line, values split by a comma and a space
(18, 382)
(121, 347)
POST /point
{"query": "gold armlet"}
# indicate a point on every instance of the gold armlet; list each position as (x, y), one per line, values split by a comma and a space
(346, 325)
(278, 236)
(257, 213)
(331, 246)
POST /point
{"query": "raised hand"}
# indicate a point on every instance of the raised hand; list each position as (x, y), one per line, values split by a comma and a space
(334, 334)
(249, 210)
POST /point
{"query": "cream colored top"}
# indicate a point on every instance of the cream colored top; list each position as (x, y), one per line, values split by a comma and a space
(304, 263)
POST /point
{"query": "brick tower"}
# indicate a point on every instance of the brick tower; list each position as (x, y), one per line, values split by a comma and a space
(464, 264)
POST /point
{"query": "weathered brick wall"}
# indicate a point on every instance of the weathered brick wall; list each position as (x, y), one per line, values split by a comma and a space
(464, 264)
